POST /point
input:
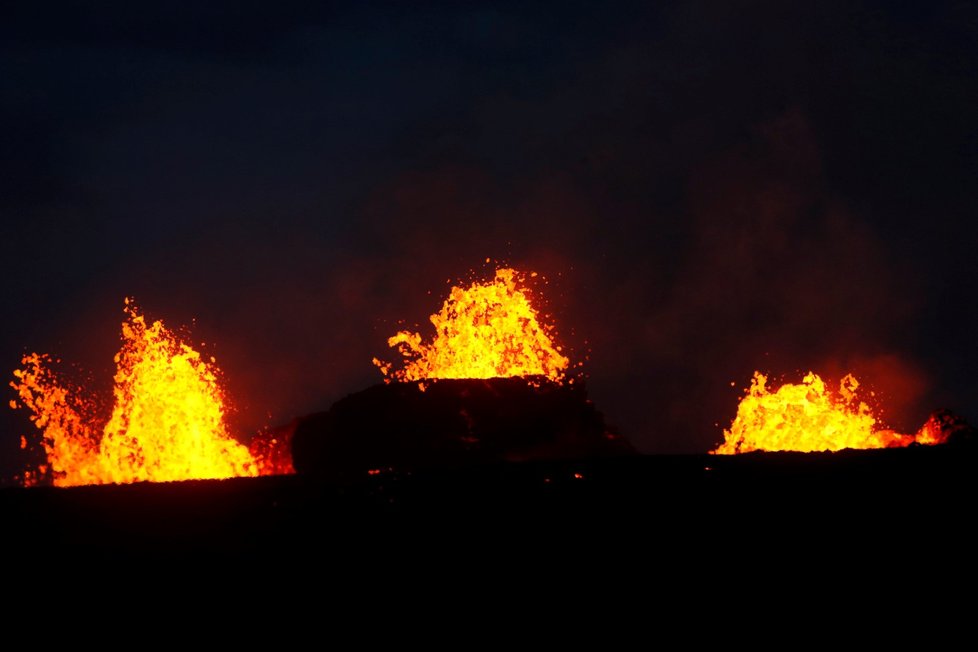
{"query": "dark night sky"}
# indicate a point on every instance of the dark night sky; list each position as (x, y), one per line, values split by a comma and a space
(710, 190)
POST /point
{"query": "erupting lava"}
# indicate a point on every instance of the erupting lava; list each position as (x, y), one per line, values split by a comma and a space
(808, 417)
(167, 422)
(487, 330)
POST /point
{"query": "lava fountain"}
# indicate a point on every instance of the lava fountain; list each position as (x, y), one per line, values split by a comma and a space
(808, 417)
(167, 422)
(491, 386)
(487, 330)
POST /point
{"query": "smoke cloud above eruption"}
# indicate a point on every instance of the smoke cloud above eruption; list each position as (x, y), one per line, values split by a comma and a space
(708, 192)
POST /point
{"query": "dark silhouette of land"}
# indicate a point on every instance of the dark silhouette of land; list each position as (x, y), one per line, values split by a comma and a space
(508, 469)
(453, 423)
(762, 504)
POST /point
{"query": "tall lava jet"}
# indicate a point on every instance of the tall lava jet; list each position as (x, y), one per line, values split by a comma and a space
(167, 421)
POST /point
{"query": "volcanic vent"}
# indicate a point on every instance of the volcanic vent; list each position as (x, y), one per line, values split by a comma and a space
(492, 385)
(167, 420)
(810, 417)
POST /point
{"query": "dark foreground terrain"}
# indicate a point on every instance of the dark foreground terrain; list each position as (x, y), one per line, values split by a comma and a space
(749, 509)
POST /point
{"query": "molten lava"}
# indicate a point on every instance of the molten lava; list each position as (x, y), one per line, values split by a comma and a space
(167, 422)
(487, 330)
(806, 417)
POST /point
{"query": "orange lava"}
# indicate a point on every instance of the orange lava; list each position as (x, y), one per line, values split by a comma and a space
(167, 422)
(940, 427)
(806, 417)
(486, 330)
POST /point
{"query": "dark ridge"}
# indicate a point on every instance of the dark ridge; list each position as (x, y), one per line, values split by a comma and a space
(453, 423)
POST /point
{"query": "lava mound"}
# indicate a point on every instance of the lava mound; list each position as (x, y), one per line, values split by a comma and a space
(452, 423)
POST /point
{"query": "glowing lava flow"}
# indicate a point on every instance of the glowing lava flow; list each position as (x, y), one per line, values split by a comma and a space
(487, 330)
(167, 422)
(805, 417)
